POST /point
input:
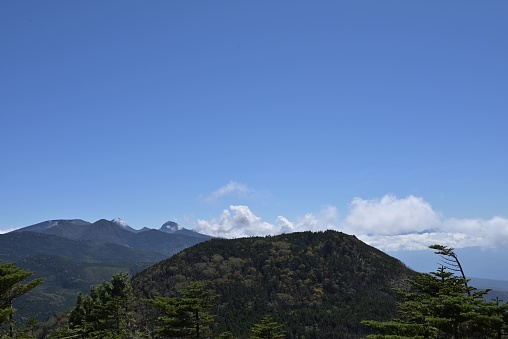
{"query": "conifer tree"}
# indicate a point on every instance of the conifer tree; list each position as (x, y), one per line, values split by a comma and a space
(11, 287)
(186, 316)
(442, 305)
(267, 329)
(106, 312)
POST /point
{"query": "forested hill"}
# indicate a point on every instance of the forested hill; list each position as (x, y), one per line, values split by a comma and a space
(73, 254)
(319, 285)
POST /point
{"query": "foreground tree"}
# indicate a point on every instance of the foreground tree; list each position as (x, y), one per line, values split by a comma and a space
(106, 312)
(442, 305)
(11, 287)
(186, 316)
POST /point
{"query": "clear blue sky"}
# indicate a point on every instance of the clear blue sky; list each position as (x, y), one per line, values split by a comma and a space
(286, 114)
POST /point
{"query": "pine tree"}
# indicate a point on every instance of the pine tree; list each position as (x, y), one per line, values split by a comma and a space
(442, 305)
(11, 287)
(267, 329)
(185, 316)
(106, 312)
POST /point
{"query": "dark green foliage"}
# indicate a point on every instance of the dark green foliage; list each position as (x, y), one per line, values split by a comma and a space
(319, 285)
(64, 279)
(106, 312)
(302, 285)
(29, 244)
(74, 255)
(267, 329)
(29, 331)
(12, 287)
(69, 267)
(185, 316)
(442, 305)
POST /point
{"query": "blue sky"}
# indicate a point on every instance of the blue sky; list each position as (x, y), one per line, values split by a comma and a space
(385, 119)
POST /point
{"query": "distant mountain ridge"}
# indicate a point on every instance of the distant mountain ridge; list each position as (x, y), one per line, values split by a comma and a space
(168, 240)
(84, 254)
(174, 228)
(45, 225)
(123, 223)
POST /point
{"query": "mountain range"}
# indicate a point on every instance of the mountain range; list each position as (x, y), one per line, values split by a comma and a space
(315, 277)
(73, 254)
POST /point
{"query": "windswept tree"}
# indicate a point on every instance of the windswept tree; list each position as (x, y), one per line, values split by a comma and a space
(450, 261)
(185, 316)
(441, 304)
(11, 287)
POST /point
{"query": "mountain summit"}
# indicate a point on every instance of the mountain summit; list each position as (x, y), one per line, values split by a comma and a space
(122, 223)
(320, 284)
(171, 227)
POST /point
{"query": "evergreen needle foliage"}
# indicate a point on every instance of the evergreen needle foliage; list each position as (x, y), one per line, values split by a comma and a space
(105, 313)
(304, 285)
(441, 305)
(318, 284)
(11, 287)
(186, 316)
(267, 329)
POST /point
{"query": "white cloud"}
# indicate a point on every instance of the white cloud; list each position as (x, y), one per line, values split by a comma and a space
(421, 241)
(285, 226)
(493, 232)
(232, 188)
(327, 218)
(390, 216)
(389, 223)
(411, 224)
(239, 221)
(242, 223)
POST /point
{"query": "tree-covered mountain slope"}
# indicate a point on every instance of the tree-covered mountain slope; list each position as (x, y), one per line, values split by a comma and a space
(20, 245)
(319, 285)
(74, 254)
(69, 266)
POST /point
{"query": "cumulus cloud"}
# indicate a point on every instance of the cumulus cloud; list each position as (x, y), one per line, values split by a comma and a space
(390, 216)
(389, 223)
(327, 218)
(232, 188)
(240, 223)
(492, 232)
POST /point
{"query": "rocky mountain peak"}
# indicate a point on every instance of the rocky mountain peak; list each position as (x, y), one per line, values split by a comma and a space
(171, 227)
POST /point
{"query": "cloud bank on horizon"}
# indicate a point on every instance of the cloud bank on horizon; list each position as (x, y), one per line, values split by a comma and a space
(389, 223)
